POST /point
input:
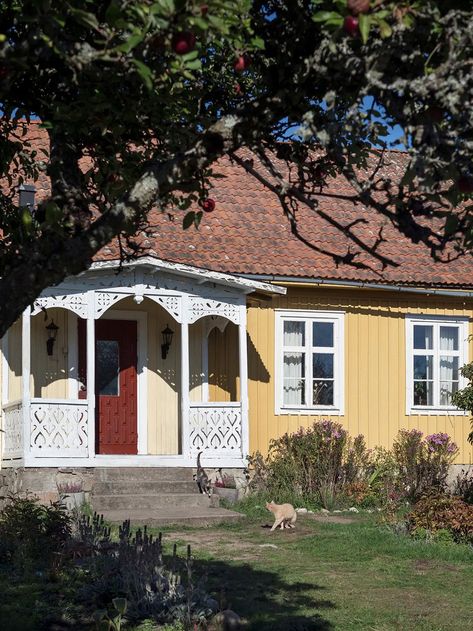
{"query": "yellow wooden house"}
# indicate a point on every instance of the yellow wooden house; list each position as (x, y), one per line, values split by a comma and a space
(220, 339)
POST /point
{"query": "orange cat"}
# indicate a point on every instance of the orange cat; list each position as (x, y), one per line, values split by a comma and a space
(284, 515)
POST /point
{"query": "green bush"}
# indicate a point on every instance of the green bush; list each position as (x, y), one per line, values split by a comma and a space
(314, 464)
(463, 486)
(438, 513)
(32, 536)
(324, 466)
(422, 463)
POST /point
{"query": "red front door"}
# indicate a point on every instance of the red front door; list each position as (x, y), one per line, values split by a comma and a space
(115, 384)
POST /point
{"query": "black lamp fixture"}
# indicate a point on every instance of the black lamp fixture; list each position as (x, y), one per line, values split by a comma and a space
(52, 330)
(26, 194)
(167, 334)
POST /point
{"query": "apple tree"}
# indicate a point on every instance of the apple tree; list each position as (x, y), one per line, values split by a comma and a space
(141, 97)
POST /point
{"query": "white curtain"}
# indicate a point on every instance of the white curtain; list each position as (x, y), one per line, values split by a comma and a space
(294, 381)
(448, 338)
(294, 333)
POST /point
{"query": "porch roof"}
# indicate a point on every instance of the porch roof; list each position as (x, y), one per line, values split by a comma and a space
(202, 276)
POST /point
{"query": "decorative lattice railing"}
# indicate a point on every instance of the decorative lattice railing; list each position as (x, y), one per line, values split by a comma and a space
(12, 435)
(58, 428)
(215, 428)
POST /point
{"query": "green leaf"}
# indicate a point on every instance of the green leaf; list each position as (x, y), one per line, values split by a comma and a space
(120, 605)
(113, 12)
(194, 64)
(134, 39)
(324, 16)
(84, 18)
(198, 218)
(145, 73)
(188, 220)
(365, 25)
(385, 29)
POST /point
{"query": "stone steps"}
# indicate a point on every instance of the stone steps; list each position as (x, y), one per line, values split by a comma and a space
(154, 496)
(174, 515)
(144, 487)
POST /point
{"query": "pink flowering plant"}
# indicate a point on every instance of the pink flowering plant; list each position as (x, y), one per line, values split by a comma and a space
(314, 463)
(423, 463)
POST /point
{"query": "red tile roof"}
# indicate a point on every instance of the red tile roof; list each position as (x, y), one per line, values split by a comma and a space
(247, 233)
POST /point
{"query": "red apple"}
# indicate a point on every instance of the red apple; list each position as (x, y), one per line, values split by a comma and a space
(351, 26)
(242, 62)
(358, 6)
(208, 205)
(465, 184)
(182, 43)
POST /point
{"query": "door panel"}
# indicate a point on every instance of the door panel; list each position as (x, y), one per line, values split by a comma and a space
(115, 384)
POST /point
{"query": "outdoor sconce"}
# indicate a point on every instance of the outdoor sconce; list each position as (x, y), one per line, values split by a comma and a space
(26, 195)
(167, 334)
(52, 330)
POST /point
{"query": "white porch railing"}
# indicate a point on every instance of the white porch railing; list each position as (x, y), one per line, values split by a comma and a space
(216, 429)
(12, 431)
(58, 428)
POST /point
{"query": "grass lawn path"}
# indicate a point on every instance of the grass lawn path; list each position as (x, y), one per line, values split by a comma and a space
(343, 573)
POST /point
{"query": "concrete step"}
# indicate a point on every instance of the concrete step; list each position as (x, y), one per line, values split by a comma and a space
(135, 501)
(130, 474)
(173, 515)
(144, 487)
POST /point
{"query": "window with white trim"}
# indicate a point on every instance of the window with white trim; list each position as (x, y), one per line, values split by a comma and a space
(436, 350)
(309, 362)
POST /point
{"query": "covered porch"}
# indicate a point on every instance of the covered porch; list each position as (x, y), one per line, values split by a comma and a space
(149, 405)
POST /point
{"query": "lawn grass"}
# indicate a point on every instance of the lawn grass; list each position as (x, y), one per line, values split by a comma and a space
(357, 574)
(342, 572)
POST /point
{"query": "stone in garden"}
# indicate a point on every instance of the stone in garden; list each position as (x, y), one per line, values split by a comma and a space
(226, 620)
(324, 511)
(268, 545)
(338, 511)
(302, 511)
(353, 509)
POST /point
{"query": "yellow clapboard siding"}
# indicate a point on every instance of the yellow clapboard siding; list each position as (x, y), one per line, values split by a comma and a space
(375, 365)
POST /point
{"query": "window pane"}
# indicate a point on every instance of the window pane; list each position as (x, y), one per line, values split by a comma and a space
(322, 334)
(107, 367)
(322, 365)
(423, 336)
(322, 392)
(294, 333)
(423, 367)
(423, 393)
(449, 338)
(294, 379)
(447, 388)
(448, 368)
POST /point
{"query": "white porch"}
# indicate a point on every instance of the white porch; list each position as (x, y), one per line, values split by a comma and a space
(61, 432)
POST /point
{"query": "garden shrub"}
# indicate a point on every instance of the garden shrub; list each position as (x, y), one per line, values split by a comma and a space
(135, 568)
(439, 512)
(422, 463)
(314, 464)
(32, 536)
(463, 486)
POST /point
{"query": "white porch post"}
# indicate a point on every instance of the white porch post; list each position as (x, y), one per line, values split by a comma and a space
(185, 429)
(25, 377)
(91, 373)
(243, 361)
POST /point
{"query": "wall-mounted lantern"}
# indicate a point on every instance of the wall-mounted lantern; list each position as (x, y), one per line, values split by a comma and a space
(52, 330)
(26, 194)
(167, 334)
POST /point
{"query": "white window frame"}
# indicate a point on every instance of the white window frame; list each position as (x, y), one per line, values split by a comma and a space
(436, 322)
(337, 318)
